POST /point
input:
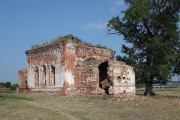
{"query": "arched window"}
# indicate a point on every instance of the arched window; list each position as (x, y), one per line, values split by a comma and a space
(52, 75)
(44, 74)
(36, 76)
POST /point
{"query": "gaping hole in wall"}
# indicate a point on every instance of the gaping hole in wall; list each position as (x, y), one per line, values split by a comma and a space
(52, 75)
(103, 77)
(124, 91)
(44, 74)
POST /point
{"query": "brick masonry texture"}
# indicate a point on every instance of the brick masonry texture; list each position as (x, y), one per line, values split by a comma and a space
(73, 67)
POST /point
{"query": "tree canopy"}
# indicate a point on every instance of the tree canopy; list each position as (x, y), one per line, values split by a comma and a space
(151, 26)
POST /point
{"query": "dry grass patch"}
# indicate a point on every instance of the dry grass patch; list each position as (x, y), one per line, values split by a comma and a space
(33, 107)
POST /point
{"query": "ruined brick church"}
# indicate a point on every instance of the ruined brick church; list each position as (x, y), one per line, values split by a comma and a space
(70, 66)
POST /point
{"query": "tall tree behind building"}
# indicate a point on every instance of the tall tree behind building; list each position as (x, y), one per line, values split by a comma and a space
(151, 26)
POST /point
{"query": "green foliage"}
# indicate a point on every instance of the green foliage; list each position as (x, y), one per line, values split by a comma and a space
(36, 46)
(1, 83)
(57, 40)
(151, 26)
(63, 38)
(13, 86)
(7, 84)
(176, 64)
(54, 41)
(101, 46)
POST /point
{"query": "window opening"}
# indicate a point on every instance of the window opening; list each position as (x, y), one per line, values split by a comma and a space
(36, 76)
(52, 74)
(44, 74)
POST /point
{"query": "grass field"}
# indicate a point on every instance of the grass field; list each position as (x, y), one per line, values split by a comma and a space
(164, 106)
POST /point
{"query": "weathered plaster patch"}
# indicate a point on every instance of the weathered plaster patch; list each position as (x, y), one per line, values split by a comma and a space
(69, 77)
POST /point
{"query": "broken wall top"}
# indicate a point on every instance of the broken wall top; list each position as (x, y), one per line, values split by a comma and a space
(111, 62)
(61, 43)
(22, 70)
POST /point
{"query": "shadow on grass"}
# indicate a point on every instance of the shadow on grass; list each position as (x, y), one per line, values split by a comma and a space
(169, 96)
(138, 94)
(161, 96)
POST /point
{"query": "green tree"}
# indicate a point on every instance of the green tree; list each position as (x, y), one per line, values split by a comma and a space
(7, 84)
(1, 83)
(151, 27)
(13, 86)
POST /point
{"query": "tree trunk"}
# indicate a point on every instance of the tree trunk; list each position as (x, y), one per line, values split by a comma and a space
(149, 90)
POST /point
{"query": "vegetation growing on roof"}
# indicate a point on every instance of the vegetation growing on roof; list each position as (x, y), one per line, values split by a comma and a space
(63, 38)
(53, 41)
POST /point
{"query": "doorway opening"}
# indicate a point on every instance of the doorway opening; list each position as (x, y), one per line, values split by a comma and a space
(103, 77)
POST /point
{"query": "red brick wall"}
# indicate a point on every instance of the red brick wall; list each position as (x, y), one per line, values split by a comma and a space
(22, 80)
